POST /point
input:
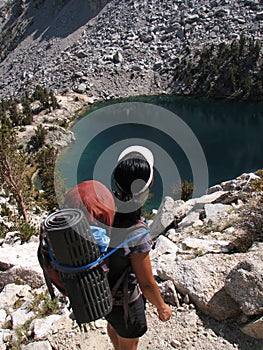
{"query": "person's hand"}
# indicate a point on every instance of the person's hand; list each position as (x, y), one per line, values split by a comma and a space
(164, 313)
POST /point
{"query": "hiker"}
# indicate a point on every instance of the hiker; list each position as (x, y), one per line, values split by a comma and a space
(133, 177)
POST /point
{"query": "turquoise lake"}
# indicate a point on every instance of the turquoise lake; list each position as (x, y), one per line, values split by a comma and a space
(202, 141)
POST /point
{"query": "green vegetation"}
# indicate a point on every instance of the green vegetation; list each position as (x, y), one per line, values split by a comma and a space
(43, 305)
(253, 215)
(14, 174)
(230, 70)
(18, 112)
(46, 98)
(26, 230)
(19, 164)
(184, 190)
(46, 160)
(37, 141)
(22, 336)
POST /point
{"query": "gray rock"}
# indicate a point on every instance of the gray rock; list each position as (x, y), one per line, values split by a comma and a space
(164, 245)
(164, 217)
(192, 18)
(203, 280)
(12, 238)
(180, 34)
(12, 293)
(3, 315)
(213, 212)
(31, 275)
(42, 327)
(59, 137)
(229, 185)
(81, 88)
(244, 284)
(20, 317)
(209, 198)
(20, 264)
(79, 74)
(118, 57)
(259, 15)
(5, 334)
(214, 188)
(146, 38)
(192, 219)
(241, 182)
(168, 292)
(173, 235)
(40, 345)
(254, 329)
(206, 245)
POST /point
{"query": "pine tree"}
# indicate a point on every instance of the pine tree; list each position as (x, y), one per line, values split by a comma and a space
(53, 101)
(27, 111)
(13, 113)
(37, 140)
(13, 169)
(46, 170)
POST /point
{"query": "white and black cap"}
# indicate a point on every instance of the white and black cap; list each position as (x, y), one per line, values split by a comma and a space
(135, 151)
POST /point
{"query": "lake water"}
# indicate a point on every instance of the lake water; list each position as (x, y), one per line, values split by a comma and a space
(199, 140)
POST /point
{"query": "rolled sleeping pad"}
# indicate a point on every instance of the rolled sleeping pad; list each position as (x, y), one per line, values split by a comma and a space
(72, 245)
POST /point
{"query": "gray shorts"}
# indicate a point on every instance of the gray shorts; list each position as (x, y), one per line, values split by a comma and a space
(136, 323)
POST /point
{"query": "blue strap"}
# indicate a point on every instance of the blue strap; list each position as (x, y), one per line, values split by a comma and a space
(96, 262)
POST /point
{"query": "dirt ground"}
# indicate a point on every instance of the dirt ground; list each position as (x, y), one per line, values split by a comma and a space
(186, 330)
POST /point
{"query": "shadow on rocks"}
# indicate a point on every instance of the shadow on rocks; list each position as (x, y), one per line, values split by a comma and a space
(230, 331)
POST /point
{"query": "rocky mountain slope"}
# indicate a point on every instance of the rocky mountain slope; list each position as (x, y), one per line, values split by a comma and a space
(124, 48)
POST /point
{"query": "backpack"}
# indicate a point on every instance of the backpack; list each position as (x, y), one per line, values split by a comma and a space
(65, 235)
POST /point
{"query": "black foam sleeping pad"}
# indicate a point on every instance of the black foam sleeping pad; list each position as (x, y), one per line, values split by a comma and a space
(70, 238)
(72, 245)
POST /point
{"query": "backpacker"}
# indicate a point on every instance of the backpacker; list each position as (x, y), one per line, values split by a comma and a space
(73, 262)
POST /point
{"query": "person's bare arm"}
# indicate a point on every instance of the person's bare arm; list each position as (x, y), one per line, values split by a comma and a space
(143, 270)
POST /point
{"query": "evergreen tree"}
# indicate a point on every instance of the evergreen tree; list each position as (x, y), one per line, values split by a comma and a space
(27, 111)
(13, 113)
(37, 141)
(53, 101)
(46, 169)
(13, 169)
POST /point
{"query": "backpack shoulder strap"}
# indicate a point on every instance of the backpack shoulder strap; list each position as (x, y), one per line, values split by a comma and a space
(120, 280)
(42, 258)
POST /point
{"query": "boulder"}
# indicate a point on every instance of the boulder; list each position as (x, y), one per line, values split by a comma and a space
(203, 280)
(164, 216)
(214, 212)
(12, 293)
(244, 284)
(20, 265)
(205, 245)
(42, 327)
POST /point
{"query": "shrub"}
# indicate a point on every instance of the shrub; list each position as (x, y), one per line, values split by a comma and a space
(184, 190)
(26, 230)
(44, 305)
